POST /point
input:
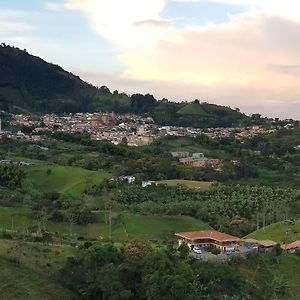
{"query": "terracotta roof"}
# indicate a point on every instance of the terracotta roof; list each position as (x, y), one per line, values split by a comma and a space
(294, 245)
(267, 243)
(207, 234)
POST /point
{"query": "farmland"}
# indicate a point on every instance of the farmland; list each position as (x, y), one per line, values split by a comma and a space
(126, 226)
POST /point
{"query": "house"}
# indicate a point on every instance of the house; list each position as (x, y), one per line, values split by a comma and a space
(208, 239)
(148, 183)
(292, 247)
(199, 163)
(130, 179)
(5, 162)
(266, 245)
(179, 154)
(198, 155)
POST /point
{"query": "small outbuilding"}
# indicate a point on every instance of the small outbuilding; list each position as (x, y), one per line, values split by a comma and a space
(292, 247)
(266, 245)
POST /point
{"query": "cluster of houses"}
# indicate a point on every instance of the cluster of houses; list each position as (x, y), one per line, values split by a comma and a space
(206, 240)
(131, 179)
(131, 129)
(10, 162)
(199, 160)
(239, 133)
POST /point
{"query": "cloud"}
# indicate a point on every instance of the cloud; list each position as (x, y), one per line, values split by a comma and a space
(14, 21)
(250, 61)
(154, 23)
(116, 20)
(293, 70)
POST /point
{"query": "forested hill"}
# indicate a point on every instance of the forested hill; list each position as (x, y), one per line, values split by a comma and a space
(30, 84)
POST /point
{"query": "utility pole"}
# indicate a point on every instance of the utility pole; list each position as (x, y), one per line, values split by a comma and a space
(12, 223)
(110, 223)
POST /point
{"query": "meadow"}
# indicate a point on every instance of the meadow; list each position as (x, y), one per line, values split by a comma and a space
(278, 232)
(46, 177)
(125, 226)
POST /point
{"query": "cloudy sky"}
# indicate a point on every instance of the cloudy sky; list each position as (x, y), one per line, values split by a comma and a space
(242, 53)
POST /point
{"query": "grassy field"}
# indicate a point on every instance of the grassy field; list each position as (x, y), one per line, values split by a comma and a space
(62, 179)
(278, 232)
(147, 227)
(27, 269)
(193, 109)
(126, 226)
(189, 183)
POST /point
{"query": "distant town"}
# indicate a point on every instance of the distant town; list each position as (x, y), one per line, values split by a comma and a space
(129, 129)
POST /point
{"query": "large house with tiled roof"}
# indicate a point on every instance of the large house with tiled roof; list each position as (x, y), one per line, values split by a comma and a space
(208, 239)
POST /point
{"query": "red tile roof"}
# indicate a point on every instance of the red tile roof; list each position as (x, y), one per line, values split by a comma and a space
(208, 234)
(294, 245)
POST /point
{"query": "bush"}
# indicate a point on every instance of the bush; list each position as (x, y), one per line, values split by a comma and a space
(215, 251)
(183, 250)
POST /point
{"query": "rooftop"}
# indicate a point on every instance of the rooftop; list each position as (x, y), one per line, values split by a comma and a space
(294, 245)
(208, 234)
(267, 243)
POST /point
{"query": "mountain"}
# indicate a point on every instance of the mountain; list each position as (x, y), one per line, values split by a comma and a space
(28, 84)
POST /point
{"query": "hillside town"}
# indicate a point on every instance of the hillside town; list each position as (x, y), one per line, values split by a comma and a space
(129, 129)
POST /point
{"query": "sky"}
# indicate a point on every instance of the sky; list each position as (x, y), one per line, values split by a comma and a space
(238, 53)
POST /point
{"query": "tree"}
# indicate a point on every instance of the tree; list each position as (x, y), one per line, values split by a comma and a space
(184, 250)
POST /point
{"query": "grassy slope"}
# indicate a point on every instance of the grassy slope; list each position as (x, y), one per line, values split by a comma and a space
(145, 227)
(188, 183)
(289, 268)
(16, 284)
(285, 267)
(68, 180)
(31, 277)
(193, 109)
(278, 232)
(126, 226)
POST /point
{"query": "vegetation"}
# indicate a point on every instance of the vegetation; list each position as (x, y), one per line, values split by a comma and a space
(193, 109)
(236, 209)
(141, 272)
(62, 179)
(189, 183)
(28, 84)
(11, 176)
(18, 259)
(283, 232)
(125, 226)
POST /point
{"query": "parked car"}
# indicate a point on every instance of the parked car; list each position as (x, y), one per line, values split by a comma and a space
(230, 251)
(197, 250)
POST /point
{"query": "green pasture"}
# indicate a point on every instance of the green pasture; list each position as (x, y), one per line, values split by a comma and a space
(125, 226)
(278, 232)
(62, 179)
